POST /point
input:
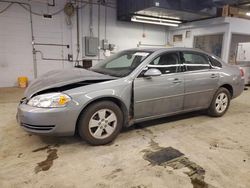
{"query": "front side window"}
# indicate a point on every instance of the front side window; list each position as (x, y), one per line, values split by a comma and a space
(195, 61)
(121, 64)
(166, 63)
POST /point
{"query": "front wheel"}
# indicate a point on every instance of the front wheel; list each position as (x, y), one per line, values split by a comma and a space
(100, 123)
(220, 103)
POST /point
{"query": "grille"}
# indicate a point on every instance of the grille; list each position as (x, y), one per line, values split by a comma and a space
(38, 127)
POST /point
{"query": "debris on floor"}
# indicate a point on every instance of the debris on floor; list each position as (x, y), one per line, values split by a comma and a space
(214, 145)
(19, 155)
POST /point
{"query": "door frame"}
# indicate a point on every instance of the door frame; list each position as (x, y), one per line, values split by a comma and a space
(139, 76)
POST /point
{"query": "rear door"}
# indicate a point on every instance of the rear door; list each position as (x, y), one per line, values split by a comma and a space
(163, 94)
(200, 80)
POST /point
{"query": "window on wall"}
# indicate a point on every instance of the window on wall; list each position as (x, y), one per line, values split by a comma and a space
(235, 40)
(177, 38)
(209, 43)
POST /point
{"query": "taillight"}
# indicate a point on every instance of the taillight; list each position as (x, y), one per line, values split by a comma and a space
(242, 72)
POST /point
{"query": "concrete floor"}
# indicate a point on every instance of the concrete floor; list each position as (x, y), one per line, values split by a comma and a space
(219, 147)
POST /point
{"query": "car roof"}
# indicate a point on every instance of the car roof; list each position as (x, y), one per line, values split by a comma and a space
(169, 49)
(145, 49)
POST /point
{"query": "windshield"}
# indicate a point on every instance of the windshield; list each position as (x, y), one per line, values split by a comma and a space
(122, 63)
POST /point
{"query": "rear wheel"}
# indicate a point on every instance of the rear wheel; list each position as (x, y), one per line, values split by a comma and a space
(220, 103)
(100, 123)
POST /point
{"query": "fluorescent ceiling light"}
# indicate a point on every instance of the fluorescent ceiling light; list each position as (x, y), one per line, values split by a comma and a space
(156, 22)
(248, 13)
(158, 19)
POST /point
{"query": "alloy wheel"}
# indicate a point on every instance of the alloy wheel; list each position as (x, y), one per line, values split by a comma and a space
(102, 124)
(221, 102)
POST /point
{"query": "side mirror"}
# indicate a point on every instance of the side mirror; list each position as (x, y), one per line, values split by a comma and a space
(152, 72)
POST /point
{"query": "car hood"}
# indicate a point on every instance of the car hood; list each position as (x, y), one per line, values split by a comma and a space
(59, 78)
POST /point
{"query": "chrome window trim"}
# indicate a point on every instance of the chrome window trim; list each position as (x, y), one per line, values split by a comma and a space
(199, 53)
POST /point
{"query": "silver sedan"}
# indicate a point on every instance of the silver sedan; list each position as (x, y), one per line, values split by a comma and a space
(129, 87)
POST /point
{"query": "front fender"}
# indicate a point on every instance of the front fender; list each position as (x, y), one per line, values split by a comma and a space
(83, 96)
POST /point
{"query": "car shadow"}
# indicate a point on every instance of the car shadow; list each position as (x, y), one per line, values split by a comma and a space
(76, 140)
(57, 141)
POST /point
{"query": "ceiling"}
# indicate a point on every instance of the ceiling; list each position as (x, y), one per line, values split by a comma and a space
(244, 4)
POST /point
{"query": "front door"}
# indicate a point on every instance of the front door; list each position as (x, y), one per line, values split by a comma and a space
(160, 95)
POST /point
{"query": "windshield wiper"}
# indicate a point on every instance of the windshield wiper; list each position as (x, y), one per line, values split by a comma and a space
(100, 72)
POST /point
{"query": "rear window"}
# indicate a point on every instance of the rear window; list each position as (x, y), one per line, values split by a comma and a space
(215, 63)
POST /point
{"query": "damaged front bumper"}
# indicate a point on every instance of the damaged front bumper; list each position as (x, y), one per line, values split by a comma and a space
(47, 121)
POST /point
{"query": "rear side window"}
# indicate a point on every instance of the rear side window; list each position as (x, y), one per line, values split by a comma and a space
(215, 63)
(195, 61)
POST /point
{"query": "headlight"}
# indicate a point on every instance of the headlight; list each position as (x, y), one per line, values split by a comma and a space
(50, 100)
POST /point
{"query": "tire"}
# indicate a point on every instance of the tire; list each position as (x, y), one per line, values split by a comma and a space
(220, 103)
(100, 123)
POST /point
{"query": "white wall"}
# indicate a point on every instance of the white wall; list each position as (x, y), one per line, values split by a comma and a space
(227, 25)
(15, 38)
(237, 26)
(15, 46)
(206, 27)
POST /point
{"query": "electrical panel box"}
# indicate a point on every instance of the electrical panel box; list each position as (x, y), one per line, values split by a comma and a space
(91, 46)
(105, 44)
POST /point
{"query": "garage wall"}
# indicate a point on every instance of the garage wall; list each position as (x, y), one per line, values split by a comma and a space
(123, 34)
(15, 38)
(238, 27)
(206, 27)
(227, 25)
(15, 46)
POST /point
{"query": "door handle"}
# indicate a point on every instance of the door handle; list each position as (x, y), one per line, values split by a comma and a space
(176, 81)
(213, 76)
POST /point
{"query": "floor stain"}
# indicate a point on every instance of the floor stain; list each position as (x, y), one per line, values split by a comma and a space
(45, 147)
(196, 173)
(148, 131)
(154, 145)
(41, 148)
(177, 160)
(158, 174)
(199, 183)
(19, 155)
(48, 162)
(113, 174)
(222, 145)
(102, 185)
(145, 133)
(139, 186)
